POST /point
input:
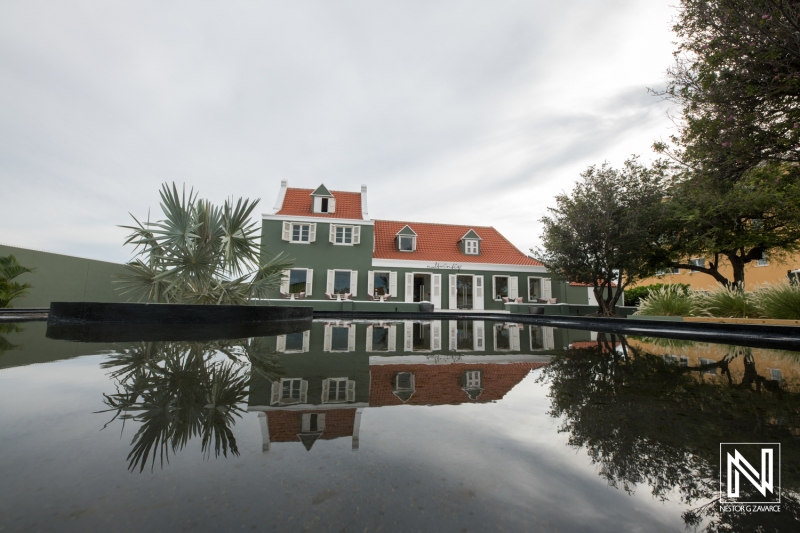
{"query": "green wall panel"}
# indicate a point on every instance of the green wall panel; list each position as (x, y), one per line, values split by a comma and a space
(63, 278)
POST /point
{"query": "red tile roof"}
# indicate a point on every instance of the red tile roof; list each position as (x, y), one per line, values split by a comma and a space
(441, 384)
(298, 202)
(439, 242)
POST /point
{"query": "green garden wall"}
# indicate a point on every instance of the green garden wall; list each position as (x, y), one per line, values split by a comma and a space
(63, 278)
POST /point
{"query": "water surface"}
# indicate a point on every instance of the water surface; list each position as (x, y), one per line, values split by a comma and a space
(369, 426)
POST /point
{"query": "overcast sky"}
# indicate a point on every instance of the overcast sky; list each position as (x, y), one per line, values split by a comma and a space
(454, 112)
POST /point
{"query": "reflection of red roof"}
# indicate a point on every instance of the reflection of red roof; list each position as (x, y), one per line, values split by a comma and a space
(439, 242)
(298, 202)
(285, 425)
(441, 384)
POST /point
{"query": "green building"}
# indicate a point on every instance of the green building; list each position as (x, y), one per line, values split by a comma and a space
(341, 254)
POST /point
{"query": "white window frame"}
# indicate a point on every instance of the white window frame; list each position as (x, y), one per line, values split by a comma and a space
(355, 234)
(396, 386)
(277, 392)
(317, 205)
(413, 243)
(280, 343)
(473, 380)
(762, 262)
(287, 278)
(349, 390)
(328, 337)
(288, 232)
(775, 374)
(494, 287)
(392, 282)
(541, 288)
(305, 423)
(391, 341)
(471, 246)
(696, 261)
(331, 281)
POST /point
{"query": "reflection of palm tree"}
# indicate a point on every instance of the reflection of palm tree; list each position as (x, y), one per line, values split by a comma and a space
(5, 344)
(181, 390)
(643, 421)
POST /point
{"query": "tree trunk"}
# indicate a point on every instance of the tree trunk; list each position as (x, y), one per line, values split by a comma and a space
(737, 262)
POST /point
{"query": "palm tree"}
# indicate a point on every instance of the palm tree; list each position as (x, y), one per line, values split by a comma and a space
(200, 253)
(9, 290)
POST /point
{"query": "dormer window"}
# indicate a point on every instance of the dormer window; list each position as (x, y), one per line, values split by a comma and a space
(323, 201)
(406, 240)
(470, 243)
(406, 243)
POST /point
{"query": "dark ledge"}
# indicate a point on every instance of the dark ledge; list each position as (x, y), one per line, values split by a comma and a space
(123, 322)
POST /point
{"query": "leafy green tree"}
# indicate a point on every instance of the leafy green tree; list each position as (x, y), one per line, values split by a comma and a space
(200, 253)
(10, 269)
(605, 232)
(736, 82)
(739, 220)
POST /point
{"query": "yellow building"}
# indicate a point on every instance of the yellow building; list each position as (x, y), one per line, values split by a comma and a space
(769, 270)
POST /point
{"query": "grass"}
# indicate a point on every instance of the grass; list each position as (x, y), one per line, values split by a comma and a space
(725, 302)
(670, 300)
(779, 301)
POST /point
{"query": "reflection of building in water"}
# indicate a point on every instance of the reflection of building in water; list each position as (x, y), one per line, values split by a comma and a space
(756, 366)
(336, 370)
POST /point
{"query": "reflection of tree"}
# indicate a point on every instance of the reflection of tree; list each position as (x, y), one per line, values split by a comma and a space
(644, 421)
(181, 390)
(5, 344)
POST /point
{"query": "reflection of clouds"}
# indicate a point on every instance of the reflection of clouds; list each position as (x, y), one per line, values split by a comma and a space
(510, 454)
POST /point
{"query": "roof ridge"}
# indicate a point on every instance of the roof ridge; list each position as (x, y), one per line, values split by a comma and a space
(329, 190)
(434, 224)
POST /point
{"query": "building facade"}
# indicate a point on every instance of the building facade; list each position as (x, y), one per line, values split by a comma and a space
(768, 269)
(342, 253)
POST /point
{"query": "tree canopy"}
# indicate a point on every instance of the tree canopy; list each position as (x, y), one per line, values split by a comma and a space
(604, 233)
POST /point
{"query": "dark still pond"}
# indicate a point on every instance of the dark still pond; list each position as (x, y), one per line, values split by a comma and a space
(442, 425)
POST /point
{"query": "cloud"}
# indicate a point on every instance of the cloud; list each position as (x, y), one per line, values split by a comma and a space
(449, 111)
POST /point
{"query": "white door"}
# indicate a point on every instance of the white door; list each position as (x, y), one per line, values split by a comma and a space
(393, 338)
(513, 287)
(478, 335)
(549, 341)
(329, 284)
(477, 292)
(309, 280)
(369, 338)
(547, 289)
(436, 290)
(409, 287)
(453, 292)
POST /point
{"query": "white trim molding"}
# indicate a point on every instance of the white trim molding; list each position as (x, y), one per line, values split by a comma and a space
(332, 220)
(465, 266)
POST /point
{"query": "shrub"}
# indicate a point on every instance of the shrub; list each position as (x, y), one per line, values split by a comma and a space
(669, 300)
(634, 296)
(781, 301)
(725, 302)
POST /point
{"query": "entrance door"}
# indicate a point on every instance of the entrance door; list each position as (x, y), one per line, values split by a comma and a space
(464, 292)
(422, 287)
